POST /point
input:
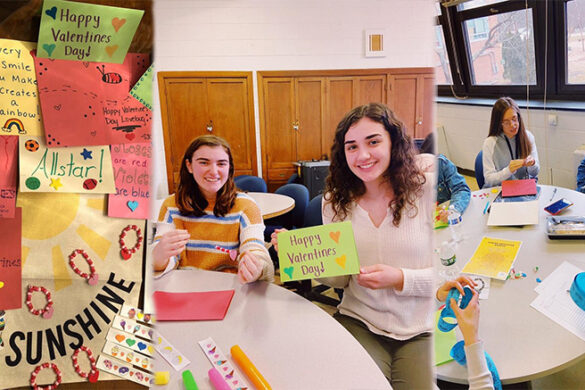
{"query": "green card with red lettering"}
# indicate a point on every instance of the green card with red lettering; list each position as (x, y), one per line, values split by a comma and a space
(317, 252)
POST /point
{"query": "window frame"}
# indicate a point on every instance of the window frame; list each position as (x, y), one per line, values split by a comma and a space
(457, 46)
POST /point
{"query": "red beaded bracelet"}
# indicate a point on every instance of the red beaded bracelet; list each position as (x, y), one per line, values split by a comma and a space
(94, 372)
(47, 311)
(124, 251)
(52, 386)
(92, 278)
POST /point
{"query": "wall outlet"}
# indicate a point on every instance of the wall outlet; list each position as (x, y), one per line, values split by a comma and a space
(552, 119)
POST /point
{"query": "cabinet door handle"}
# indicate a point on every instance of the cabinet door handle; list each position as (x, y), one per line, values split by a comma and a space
(295, 125)
(210, 126)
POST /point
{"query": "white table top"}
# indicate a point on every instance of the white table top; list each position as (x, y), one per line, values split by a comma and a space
(272, 205)
(292, 342)
(524, 343)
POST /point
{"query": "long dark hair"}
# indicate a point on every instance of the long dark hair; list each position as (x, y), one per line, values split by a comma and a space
(189, 198)
(406, 179)
(500, 107)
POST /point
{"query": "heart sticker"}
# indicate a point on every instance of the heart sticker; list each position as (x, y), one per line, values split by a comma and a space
(130, 136)
(341, 261)
(289, 271)
(120, 338)
(52, 13)
(141, 346)
(132, 205)
(151, 350)
(93, 376)
(92, 281)
(335, 236)
(118, 23)
(48, 313)
(140, 316)
(130, 342)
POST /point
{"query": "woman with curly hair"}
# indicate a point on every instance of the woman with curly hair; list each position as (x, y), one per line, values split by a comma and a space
(217, 228)
(509, 151)
(378, 183)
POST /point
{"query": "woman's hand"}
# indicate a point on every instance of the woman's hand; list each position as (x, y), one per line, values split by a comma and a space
(170, 244)
(273, 239)
(381, 276)
(458, 283)
(468, 318)
(249, 268)
(529, 161)
(515, 165)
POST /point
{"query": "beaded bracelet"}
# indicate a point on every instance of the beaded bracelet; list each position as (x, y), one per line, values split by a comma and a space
(92, 278)
(124, 251)
(94, 372)
(47, 311)
(52, 386)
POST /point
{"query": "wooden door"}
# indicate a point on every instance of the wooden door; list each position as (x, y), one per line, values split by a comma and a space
(310, 102)
(371, 89)
(341, 98)
(426, 110)
(402, 99)
(193, 102)
(278, 135)
(230, 119)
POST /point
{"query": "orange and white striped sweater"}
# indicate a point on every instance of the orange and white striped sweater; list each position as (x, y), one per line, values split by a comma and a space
(241, 229)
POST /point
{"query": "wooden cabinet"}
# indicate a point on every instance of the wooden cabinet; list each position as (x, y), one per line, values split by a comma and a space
(196, 103)
(411, 96)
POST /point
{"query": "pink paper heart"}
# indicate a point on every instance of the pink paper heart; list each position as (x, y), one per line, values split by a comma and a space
(48, 313)
(92, 281)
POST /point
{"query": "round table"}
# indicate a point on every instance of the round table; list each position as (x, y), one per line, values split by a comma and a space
(524, 343)
(272, 205)
(292, 342)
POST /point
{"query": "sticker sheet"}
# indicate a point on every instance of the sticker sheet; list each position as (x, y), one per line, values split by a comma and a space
(219, 361)
(171, 354)
(129, 356)
(133, 327)
(124, 370)
(128, 340)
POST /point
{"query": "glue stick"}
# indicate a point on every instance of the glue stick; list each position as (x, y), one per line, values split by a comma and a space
(216, 380)
(189, 381)
(248, 368)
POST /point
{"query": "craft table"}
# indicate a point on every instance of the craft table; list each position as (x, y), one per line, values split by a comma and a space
(292, 342)
(272, 205)
(523, 342)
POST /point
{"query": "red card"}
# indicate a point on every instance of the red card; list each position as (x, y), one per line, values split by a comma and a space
(518, 187)
(192, 306)
(87, 103)
(8, 174)
(10, 262)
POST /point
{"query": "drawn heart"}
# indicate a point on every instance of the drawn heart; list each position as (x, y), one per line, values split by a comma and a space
(58, 107)
(48, 313)
(151, 350)
(335, 236)
(93, 376)
(109, 49)
(118, 23)
(93, 280)
(49, 48)
(93, 133)
(1, 284)
(131, 136)
(123, 324)
(52, 13)
(341, 261)
(132, 205)
(141, 346)
(289, 271)
(130, 342)
(85, 63)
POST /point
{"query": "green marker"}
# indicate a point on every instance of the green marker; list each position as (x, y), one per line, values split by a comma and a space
(189, 381)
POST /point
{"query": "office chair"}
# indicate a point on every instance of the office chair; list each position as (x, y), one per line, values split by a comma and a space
(479, 170)
(293, 219)
(250, 183)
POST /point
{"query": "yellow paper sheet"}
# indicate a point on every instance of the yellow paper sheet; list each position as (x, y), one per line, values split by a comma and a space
(493, 258)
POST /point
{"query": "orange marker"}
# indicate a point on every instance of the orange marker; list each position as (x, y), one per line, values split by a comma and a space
(249, 369)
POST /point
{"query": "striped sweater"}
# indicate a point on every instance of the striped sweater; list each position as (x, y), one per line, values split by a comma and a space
(242, 229)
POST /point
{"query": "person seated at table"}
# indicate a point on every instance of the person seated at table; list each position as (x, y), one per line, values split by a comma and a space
(581, 177)
(218, 228)
(376, 182)
(451, 185)
(478, 374)
(509, 151)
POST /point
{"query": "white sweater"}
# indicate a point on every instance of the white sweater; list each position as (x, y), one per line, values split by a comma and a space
(496, 160)
(404, 314)
(478, 375)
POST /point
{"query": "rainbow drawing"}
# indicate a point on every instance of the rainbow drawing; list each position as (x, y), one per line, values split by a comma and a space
(13, 122)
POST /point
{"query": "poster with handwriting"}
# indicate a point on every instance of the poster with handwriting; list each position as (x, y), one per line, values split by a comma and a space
(85, 169)
(142, 90)
(10, 266)
(131, 164)
(86, 32)
(20, 111)
(88, 103)
(8, 174)
(317, 252)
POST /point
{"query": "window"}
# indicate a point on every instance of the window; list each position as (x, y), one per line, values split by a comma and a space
(497, 47)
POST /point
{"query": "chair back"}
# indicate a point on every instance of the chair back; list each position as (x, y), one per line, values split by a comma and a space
(479, 169)
(313, 215)
(250, 183)
(296, 217)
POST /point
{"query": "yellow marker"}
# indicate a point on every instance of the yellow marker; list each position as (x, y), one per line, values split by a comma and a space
(249, 369)
(161, 377)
